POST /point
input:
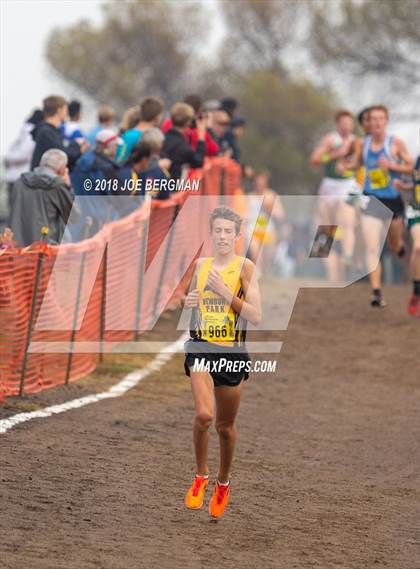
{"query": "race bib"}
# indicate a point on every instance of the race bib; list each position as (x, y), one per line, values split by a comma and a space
(379, 179)
(218, 327)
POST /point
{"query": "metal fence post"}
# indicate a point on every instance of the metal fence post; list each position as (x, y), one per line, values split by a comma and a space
(103, 305)
(222, 179)
(75, 314)
(85, 235)
(142, 262)
(38, 273)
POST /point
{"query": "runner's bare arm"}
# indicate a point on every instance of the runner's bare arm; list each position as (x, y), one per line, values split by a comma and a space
(274, 206)
(321, 153)
(191, 299)
(250, 308)
(327, 150)
(402, 154)
(354, 162)
(402, 186)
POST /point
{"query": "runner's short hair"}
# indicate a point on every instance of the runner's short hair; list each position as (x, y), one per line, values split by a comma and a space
(51, 105)
(105, 114)
(181, 114)
(224, 212)
(382, 108)
(343, 113)
(361, 115)
(150, 108)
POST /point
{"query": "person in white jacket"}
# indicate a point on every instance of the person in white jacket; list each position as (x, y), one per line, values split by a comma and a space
(19, 154)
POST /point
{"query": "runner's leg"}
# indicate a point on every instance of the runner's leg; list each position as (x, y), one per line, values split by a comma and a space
(326, 216)
(347, 218)
(396, 235)
(227, 405)
(415, 252)
(371, 227)
(202, 388)
(414, 302)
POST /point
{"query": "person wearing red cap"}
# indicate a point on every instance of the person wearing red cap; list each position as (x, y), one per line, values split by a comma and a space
(109, 140)
(97, 174)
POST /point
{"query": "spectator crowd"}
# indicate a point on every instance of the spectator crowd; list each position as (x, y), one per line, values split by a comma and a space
(53, 160)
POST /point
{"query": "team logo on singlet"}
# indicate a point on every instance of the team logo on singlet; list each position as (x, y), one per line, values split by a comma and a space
(214, 304)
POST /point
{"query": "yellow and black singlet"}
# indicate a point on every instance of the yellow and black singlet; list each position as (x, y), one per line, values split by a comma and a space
(214, 320)
(415, 202)
(360, 176)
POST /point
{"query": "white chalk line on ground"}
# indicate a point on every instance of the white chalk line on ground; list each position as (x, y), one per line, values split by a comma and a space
(129, 381)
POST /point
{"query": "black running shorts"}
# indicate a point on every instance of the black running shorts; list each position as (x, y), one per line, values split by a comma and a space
(372, 208)
(226, 365)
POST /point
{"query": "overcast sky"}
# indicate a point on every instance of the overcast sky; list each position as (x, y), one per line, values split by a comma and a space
(26, 77)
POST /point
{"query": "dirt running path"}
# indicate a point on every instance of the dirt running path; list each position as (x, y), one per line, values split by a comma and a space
(326, 474)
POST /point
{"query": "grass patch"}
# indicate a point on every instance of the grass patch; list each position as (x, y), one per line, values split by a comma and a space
(110, 368)
(24, 406)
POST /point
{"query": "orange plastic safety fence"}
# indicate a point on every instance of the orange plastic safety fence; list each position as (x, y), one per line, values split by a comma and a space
(28, 281)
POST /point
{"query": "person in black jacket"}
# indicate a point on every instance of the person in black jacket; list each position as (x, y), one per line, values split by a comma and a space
(43, 198)
(176, 149)
(47, 134)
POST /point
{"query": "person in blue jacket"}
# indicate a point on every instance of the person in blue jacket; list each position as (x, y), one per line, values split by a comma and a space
(96, 176)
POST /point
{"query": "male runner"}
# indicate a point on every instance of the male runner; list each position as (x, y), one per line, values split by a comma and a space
(363, 118)
(335, 187)
(224, 296)
(413, 219)
(264, 219)
(385, 158)
(354, 260)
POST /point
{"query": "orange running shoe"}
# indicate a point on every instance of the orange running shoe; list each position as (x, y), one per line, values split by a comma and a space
(413, 307)
(219, 500)
(195, 496)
